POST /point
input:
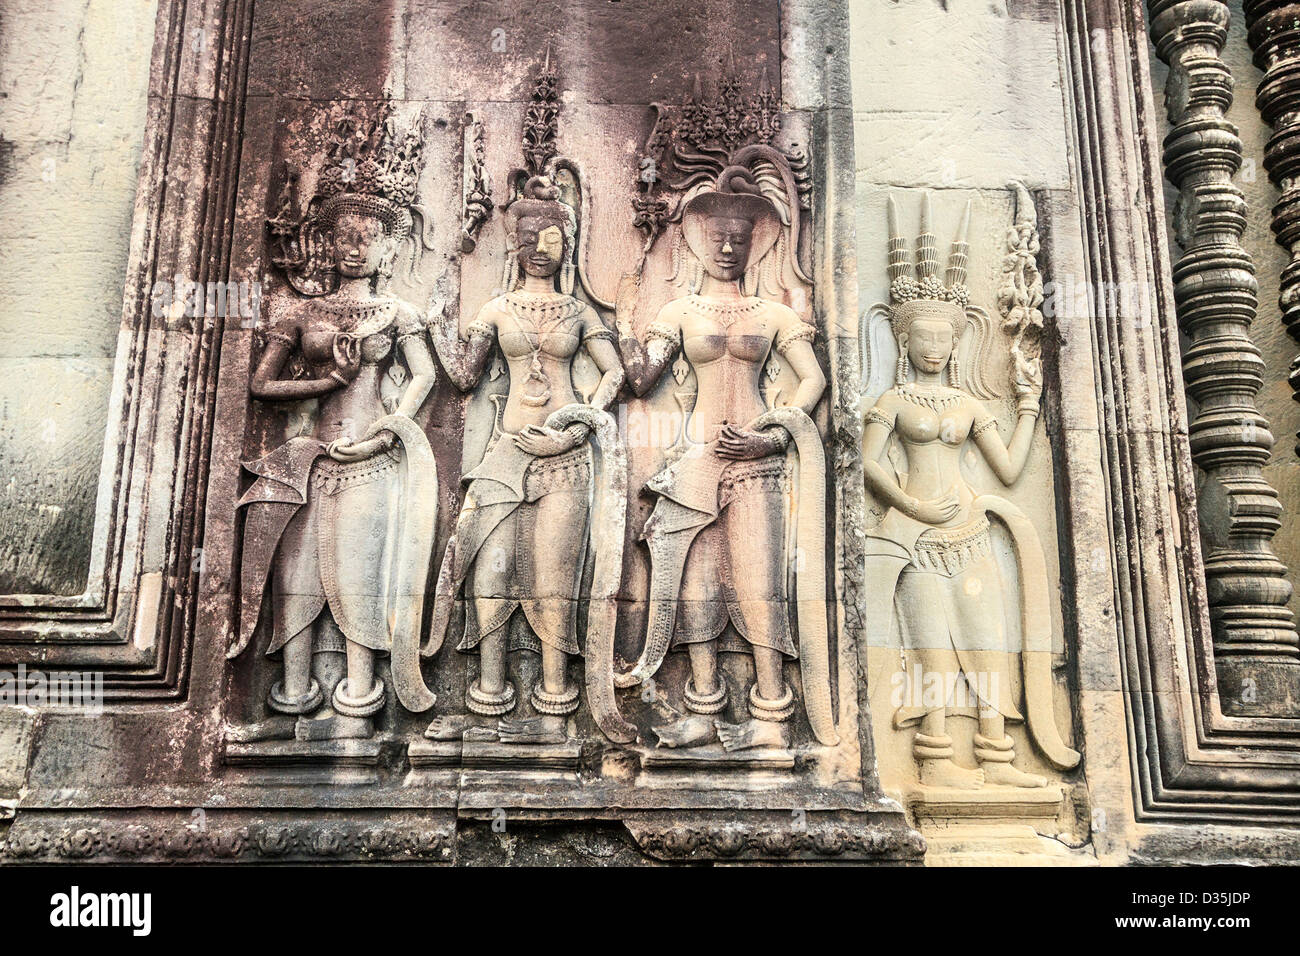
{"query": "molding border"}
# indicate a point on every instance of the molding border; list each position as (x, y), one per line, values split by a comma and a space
(135, 624)
(1190, 761)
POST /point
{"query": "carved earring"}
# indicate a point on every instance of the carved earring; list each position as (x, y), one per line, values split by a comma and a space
(904, 369)
(954, 370)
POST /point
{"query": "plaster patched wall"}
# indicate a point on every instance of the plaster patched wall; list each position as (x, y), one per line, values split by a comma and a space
(73, 97)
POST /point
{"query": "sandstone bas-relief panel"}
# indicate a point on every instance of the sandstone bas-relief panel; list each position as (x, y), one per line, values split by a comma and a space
(586, 540)
(964, 638)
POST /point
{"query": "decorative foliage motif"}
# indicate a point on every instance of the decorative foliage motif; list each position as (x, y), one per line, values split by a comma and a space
(792, 838)
(541, 119)
(233, 841)
(1020, 294)
(476, 195)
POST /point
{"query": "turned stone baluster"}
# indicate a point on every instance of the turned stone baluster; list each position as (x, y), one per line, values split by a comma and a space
(1274, 35)
(1257, 652)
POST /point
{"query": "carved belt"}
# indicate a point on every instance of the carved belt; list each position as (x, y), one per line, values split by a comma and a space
(950, 551)
(753, 477)
(331, 477)
(562, 472)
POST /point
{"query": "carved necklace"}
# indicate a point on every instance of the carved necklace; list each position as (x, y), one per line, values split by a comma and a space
(937, 398)
(362, 318)
(544, 312)
(726, 312)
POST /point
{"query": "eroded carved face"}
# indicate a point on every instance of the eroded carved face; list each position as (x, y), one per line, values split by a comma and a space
(929, 344)
(359, 245)
(729, 242)
(540, 246)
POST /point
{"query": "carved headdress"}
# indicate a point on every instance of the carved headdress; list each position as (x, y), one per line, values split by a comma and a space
(919, 292)
(924, 294)
(720, 155)
(550, 187)
(737, 195)
(371, 169)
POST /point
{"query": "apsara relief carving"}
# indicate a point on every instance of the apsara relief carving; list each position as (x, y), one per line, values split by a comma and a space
(719, 535)
(717, 652)
(339, 523)
(551, 487)
(969, 636)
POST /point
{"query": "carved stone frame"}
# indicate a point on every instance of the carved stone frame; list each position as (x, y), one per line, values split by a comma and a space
(1189, 762)
(134, 621)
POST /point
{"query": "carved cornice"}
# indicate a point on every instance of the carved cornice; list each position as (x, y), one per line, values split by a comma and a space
(235, 837)
(1274, 34)
(685, 837)
(1216, 294)
(395, 836)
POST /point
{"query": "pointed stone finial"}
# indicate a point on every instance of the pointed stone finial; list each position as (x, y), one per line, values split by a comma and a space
(927, 252)
(957, 256)
(899, 261)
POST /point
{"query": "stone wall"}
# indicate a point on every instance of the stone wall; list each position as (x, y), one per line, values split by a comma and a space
(780, 445)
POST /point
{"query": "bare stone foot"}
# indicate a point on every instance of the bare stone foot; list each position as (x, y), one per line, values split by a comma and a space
(945, 773)
(534, 730)
(329, 725)
(448, 727)
(752, 733)
(279, 727)
(477, 734)
(688, 732)
(1006, 775)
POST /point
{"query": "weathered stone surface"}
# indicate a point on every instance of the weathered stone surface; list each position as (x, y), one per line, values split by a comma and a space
(597, 444)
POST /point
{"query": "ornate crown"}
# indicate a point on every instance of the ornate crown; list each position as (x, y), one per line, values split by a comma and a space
(372, 168)
(924, 294)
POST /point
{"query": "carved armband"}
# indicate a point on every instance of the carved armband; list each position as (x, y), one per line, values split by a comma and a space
(981, 427)
(664, 333)
(409, 323)
(879, 417)
(478, 327)
(799, 332)
(598, 332)
(279, 334)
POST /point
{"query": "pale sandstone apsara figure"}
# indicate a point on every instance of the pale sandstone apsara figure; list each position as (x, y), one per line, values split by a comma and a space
(934, 546)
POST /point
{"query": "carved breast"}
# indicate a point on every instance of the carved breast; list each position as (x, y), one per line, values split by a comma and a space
(920, 426)
(372, 323)
(702, 349)
(560, 342)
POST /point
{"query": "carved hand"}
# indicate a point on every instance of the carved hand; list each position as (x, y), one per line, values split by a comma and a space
(347, 357)
(1028, 376)
(544, 442)
(741, 445)
(937, 510)
(345, 451)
